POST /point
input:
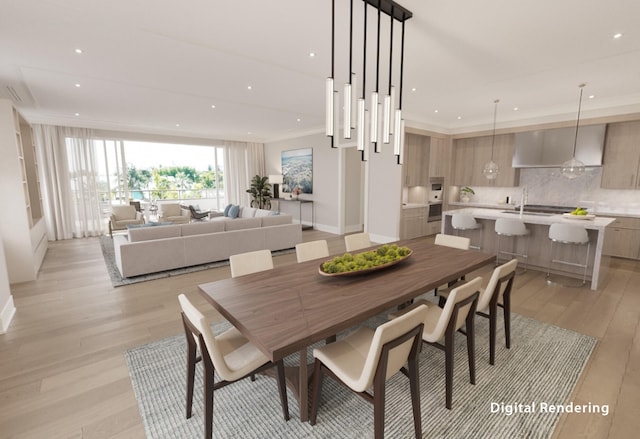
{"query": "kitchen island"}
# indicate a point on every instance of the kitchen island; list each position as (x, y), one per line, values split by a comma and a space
(539, 246)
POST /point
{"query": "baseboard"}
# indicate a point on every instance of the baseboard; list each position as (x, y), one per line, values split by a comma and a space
(8, 311)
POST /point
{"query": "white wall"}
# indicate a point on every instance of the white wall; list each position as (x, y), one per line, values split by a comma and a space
(7, 309)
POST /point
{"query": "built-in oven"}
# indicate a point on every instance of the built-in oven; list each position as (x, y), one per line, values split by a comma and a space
(434, 211)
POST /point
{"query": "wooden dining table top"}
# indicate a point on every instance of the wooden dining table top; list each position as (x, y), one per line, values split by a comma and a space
(290, 307)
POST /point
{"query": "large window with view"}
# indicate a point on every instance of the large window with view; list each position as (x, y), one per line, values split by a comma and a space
(150, 173)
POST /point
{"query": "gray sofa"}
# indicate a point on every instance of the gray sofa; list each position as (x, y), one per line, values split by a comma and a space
(158, 248)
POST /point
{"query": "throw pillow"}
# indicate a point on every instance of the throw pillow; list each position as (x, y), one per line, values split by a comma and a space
(234, 211)
(226, 209)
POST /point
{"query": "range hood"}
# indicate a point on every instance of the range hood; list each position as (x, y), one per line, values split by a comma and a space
(551, 148)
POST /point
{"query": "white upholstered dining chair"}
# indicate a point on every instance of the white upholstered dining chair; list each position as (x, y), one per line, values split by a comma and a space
(357, 241)
(442, 323)
(229, 354)
(307, 251)
(250, 262)
(453, 241)
(369, 357)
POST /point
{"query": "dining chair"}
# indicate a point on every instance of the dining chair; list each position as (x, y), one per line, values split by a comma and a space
(357, 241)
(496, 294)
(442, 323)
(250, 262)
(369, 357)
(307, 251)
(229, 354)
(459, 242)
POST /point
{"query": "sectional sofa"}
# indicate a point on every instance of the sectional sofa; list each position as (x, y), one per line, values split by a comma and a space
(158, 248)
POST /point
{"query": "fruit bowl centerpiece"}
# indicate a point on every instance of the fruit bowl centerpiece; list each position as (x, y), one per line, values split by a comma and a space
(359, 263)
(578, 213)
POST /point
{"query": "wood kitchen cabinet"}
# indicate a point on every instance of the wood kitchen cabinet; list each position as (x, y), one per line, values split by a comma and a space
(438, 162)
(413, 222)
(415, 168)
(622, 238)
(621, 161)
(471, 154)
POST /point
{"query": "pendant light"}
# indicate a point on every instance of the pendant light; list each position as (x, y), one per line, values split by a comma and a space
(491, 168)
(574, 168)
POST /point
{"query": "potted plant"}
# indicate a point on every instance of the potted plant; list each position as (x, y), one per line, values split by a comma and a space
(260, 191)
(296, 192)
(465, 194)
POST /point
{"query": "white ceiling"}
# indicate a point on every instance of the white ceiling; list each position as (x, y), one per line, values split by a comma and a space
(148, 65)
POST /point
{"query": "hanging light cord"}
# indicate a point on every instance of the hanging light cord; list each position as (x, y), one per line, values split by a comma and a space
(575, 139)
(495, 115)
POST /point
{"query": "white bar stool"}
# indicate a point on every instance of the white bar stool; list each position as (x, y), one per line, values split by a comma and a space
(512, 228)
(465, 221)
(568, 234)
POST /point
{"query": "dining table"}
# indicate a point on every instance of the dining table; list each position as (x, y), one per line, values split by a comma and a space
(285, 310)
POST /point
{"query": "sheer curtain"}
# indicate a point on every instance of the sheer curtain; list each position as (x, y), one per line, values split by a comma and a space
(241, 162)
(68, 172)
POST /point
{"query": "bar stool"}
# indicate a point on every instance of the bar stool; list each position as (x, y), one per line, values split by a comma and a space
(512, 228)
(465, 221)
(568, 234)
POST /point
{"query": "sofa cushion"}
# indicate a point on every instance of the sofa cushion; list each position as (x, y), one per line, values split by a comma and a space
(248, 212)
(234, 211)
(170, 209)
(263, 212)
(276, 220)
(242, 223)
(225, 212)
(201, 227)
(156, 232)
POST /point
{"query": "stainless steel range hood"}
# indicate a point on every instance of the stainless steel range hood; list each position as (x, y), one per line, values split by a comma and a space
(551, 148)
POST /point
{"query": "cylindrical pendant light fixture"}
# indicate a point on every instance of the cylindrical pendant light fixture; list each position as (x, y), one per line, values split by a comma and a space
(329, 107)
(386, 119)
(329, 90)
(397, 135)
(360, 125)
(347, 111)
(374, 96)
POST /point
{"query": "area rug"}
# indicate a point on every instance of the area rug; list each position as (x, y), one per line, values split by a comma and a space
(106, 244)
(540, 369)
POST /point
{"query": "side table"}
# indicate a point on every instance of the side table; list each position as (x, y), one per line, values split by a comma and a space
(300, 203)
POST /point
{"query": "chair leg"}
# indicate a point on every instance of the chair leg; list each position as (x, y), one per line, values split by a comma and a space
(506, 306)
(448, 349)
(208, 404)
(378, 407)
(471, 351)
(191, 370)
(414, 385)
(317, 388)
(282, 388)
(493, 316)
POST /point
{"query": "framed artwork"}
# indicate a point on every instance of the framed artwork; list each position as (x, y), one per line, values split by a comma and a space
(297, 170)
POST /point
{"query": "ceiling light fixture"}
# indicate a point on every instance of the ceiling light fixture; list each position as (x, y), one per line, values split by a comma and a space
(616, 36)
(354, 110)
(77, 85)
(574, 168)
(78, 51)
(491, 168)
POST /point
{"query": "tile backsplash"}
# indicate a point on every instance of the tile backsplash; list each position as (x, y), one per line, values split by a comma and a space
(548, 186)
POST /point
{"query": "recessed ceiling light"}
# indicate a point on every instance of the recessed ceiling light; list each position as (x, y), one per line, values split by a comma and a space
(77, 85)
(459, 117)
(312, 54)
(213, 106)
(616, 36)
(592, 96)
(249, 132)
(249, 87)
(298, 120)
(413, 89)
(515, 108)
(78, 51)
(177, 124)
(77, 114)
(436, 111)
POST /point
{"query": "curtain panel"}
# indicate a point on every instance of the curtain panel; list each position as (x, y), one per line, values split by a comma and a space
(68, 182)
(242, 161)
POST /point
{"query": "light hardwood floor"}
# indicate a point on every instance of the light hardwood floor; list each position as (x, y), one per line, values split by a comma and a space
(63, 374)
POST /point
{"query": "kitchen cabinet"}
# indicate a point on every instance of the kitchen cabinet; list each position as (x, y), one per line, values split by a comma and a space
(622, 238)
(438, 162)
(470, 155)
(415, 166)
(621, 160)
(413, 222)
(22, 225)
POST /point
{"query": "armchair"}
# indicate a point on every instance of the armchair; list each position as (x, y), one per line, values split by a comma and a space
(173, 213)
(123, 216)
(196, 215)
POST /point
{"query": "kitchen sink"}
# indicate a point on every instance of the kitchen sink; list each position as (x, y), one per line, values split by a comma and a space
(516, 212)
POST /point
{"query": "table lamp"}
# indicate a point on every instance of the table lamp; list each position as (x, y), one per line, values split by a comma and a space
(275, 180)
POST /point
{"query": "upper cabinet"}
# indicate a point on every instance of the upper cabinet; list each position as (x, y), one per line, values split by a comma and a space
(471, 154)
(621, 161)
(438, 160)
(415, 167)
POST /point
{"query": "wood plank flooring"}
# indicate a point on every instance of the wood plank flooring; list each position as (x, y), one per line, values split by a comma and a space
(63, 374)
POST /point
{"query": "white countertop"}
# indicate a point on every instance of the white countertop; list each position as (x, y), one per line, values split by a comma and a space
(626, 211)
(597, 223)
